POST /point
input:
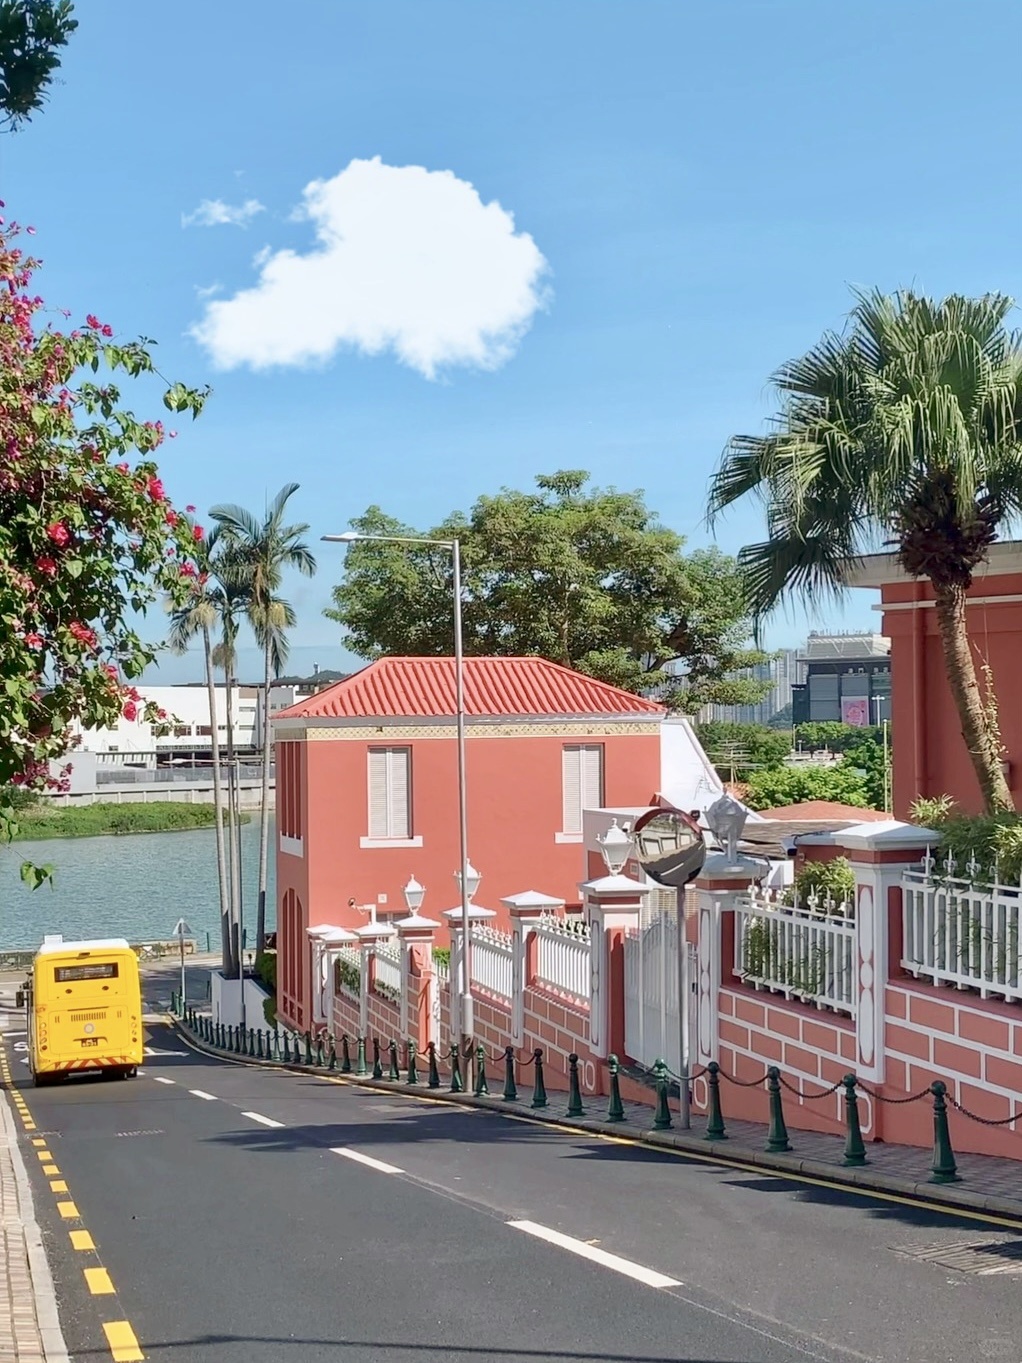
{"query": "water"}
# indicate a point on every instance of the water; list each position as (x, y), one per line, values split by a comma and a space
(135, 886)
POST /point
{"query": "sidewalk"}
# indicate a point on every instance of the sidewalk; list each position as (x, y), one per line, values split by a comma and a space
(988, 1184)
(29, 1326)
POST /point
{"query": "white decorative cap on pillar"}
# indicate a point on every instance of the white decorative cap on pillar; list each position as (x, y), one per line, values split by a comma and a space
(531, 904)
(337, 937)
(476, 914)
(316, 933)
(415, 925)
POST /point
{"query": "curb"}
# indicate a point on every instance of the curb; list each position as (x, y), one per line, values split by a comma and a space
(863, 1180)
(44, 1293)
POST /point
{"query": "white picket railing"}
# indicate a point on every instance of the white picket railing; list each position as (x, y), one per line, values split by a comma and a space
(492, 965)
(959, 931)
(388, 968)
(563, 955)
(805, 953)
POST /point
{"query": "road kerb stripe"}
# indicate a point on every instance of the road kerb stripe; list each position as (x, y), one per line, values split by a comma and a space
(44, 1155)
(359, 1158)
(264, 1121)
(162, 1079)
(122, 1341)
(50, 1170)
(639, 1272)
(68, 1211)
(58, 1185)
(81, 1239)
(201, 1093)
(98, 1282)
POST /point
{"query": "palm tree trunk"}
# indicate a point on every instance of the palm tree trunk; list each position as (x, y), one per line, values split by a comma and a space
(235, 863)
(982, 742)
(221, 853)
(264, 809)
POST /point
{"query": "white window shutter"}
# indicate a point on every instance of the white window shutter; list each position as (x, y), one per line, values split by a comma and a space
(378, 764)
(399, 820)
(571, 789)
(592, 777)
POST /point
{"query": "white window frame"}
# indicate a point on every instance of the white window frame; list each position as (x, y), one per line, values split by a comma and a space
(393, 831)
(582, 776)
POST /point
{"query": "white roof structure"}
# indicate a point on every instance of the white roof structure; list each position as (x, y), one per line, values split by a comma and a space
(53, 946)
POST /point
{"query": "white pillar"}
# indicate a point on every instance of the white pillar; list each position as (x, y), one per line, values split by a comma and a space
(525, 909)
(613, 906)
(717, 887)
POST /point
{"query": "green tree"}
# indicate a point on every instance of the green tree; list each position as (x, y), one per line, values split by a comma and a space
(586, 577)
(906, 428)
(835, 736)
(202, 613)
(736, 749)
(32, 32)
(258, 553)
(869, 757)
(775, 787)
(88, 538)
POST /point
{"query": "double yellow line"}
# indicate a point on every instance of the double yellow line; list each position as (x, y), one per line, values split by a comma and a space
(120, 1337)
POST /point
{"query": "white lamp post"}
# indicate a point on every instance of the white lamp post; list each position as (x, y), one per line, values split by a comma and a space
(414, 894)
(355, 537)
(616, 846)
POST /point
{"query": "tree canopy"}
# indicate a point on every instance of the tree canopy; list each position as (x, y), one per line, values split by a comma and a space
(906, 429)
(32, 32)
(775, 787)
(584, 576)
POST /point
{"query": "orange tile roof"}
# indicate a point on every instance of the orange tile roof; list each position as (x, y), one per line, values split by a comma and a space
(825, 809)
(423, 687)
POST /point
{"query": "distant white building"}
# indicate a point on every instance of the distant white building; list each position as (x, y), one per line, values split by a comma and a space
(133, 743)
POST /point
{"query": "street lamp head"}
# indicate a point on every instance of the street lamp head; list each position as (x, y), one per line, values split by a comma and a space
(472, 879)
(727, 818)
(349, 537)
(616, 846)
(414, 895)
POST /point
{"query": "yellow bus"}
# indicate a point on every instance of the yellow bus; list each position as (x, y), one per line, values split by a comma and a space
(84, 1010)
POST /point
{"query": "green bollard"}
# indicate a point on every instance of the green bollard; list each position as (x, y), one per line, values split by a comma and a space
(714, 1116)
(331, 1062)
(434, 1072)
(616, 1111)
(345, 1055)
(377, 1064)
(457, 1084)
(482, 1088)
(855, 1150)
(777, 1132)
(539, 1098)
(395, 1071)
(308, 1047)
(361, 1068)
(510, 1094)
(259, 1044)
(251, 1042)
(945, 1170)
(173, 1001)
(412, 1077)
(662, 1115)
(575, 1108)
(287, 1049)
(319, 1049)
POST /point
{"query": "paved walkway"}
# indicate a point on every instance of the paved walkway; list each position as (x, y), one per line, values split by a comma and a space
(29, 1326)
(987, 1183)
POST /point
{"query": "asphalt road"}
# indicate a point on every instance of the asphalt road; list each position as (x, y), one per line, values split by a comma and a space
(249, 1215)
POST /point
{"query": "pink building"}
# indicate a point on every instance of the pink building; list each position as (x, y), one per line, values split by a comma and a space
(367, 791)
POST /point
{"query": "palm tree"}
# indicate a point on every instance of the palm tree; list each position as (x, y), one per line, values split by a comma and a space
(261, 551)
(905, 429)
(203, 613)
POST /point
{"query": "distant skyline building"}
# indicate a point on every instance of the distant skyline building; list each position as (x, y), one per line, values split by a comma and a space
(782, 672)
(847, 679)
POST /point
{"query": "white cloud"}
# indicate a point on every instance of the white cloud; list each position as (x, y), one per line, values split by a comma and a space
(204, 291)
(406, 259)
(216, 213)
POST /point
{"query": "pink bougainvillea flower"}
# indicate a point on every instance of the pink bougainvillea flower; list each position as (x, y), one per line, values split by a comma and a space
(187, 569)
(46, 565)
(122, 468)
(83, 633)
(34, 640)
(107, 330)
(171, 518)
(198, 534)
(189, 509)
(155, 489)
(58, 533)
(92, 321)
(130, 711)
(30, 231)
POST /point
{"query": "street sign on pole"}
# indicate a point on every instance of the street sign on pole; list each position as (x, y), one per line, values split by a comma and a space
(181, 932)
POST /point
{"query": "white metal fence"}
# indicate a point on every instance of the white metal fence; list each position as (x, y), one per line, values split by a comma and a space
(805, 953)
(960, 931)
(388, 969)
(349, 971)
(652, 982)
(492, 966)
(563, 955)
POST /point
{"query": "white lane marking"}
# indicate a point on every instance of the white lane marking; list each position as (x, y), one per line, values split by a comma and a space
(162, 1079)
(201, 1093)
(359, 1158)
(151, 1050)
(648, 1276)
(258, 1117)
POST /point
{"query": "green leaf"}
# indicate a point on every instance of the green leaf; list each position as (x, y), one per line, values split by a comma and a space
(73, 567)
(35, 876)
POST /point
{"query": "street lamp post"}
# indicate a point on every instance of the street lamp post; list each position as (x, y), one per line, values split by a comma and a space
(454, 548)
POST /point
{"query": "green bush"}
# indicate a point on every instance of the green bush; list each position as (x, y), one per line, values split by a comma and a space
(743, 747)
(822, 878)
(266, 970)
(105, 819)
(780, 786)
(994, 840)
(837, 737)
(443, 955)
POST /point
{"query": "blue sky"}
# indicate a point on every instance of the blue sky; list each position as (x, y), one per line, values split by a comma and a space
(701, 184)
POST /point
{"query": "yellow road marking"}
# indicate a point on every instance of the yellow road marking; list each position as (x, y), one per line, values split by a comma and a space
(98, 1280)
(81, 1239)
(68, 1211)
(30, 1126)
(58, 1185)
(123, 1343)
(44, 1155)
(38, 1140)
(50, 1169)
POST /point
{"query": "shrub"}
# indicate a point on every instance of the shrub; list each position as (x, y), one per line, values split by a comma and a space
(994, 840)
(822, 878)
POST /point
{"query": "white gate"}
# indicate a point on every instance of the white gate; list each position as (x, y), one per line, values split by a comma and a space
(652, 962)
